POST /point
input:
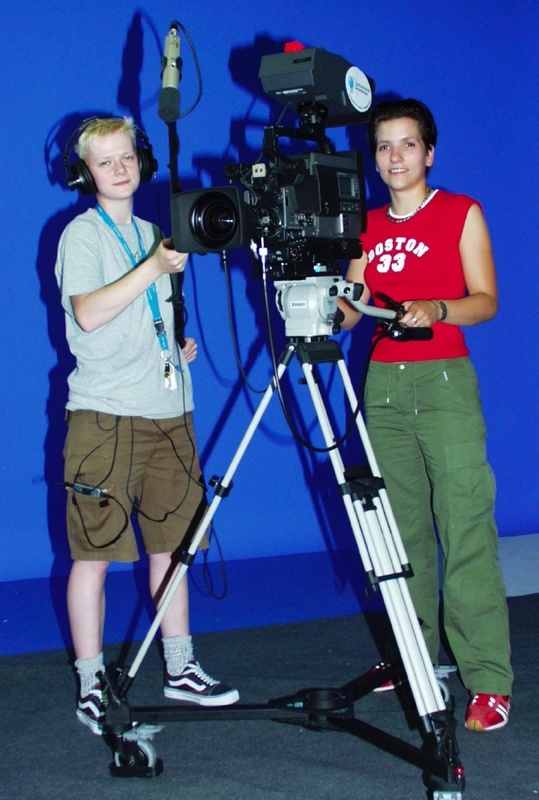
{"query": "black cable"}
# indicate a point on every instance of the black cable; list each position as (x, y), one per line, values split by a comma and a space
(232, 326)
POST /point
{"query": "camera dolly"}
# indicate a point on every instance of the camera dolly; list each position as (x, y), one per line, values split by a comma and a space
(129, 730)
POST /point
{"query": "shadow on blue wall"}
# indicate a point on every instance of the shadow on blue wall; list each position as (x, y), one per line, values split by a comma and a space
(152, 201)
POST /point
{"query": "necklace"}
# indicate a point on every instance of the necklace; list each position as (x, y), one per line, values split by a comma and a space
(393, 218)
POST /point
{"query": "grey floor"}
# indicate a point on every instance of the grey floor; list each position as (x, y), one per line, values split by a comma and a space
(48, 755)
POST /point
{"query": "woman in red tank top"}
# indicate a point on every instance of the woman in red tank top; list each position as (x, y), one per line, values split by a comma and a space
(430, 251)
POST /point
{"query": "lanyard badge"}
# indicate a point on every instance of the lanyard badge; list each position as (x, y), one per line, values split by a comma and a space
(169, 369)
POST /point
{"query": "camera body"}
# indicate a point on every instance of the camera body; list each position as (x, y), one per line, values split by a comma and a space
(309, 209)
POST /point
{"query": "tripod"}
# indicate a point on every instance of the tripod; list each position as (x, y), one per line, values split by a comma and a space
(130, 729)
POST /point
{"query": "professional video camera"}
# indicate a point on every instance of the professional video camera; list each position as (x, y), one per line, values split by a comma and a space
(307, 209)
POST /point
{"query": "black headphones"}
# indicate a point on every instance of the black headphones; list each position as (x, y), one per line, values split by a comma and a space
(78, 174)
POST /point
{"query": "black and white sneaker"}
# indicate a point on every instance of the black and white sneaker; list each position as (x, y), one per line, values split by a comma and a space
(91, 709)
(194, 686)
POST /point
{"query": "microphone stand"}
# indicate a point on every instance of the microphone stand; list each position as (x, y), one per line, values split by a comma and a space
(176, 278)
(169, 111)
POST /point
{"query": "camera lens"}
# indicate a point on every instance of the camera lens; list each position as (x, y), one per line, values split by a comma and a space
(214, 220)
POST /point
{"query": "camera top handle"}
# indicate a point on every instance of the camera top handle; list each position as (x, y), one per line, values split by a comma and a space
(311, 128)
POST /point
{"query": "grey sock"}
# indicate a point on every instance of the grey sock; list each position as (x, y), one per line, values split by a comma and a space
(177, 650)
(87, 669)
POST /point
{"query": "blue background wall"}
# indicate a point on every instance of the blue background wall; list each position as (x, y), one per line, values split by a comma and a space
(472, 61)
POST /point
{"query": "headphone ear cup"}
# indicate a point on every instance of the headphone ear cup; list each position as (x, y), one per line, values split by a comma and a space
(81, 178)
(146, 162)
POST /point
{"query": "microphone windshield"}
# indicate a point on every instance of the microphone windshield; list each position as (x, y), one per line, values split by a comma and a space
(169, 104)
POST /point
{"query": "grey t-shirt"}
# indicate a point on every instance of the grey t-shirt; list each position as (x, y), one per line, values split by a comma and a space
(119, 368)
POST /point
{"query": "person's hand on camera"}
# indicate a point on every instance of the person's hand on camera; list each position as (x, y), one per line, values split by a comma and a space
(168, 259)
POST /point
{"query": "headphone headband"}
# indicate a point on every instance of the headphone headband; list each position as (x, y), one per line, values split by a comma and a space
(78, 175)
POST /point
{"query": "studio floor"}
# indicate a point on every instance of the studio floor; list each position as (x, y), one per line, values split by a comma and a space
(283, 624)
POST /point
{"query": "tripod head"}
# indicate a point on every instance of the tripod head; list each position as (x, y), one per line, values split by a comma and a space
(309, 306)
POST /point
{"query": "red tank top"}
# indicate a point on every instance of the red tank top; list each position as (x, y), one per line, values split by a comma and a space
(419, 260)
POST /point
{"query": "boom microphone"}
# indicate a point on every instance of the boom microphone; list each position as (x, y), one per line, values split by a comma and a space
(169, 96)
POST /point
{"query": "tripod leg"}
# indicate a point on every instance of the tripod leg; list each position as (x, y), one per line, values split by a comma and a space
(222, 490)
(383, 555)
(371, 458)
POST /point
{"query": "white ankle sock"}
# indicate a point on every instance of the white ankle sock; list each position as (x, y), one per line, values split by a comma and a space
(87, 669)
(177, 650)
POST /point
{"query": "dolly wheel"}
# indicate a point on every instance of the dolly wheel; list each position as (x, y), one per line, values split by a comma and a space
(136, 754)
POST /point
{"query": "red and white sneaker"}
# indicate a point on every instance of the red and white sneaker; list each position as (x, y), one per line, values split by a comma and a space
(487, 712)
(388, 686)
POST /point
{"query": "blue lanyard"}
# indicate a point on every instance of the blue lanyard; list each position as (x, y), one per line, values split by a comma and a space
(151, 291)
